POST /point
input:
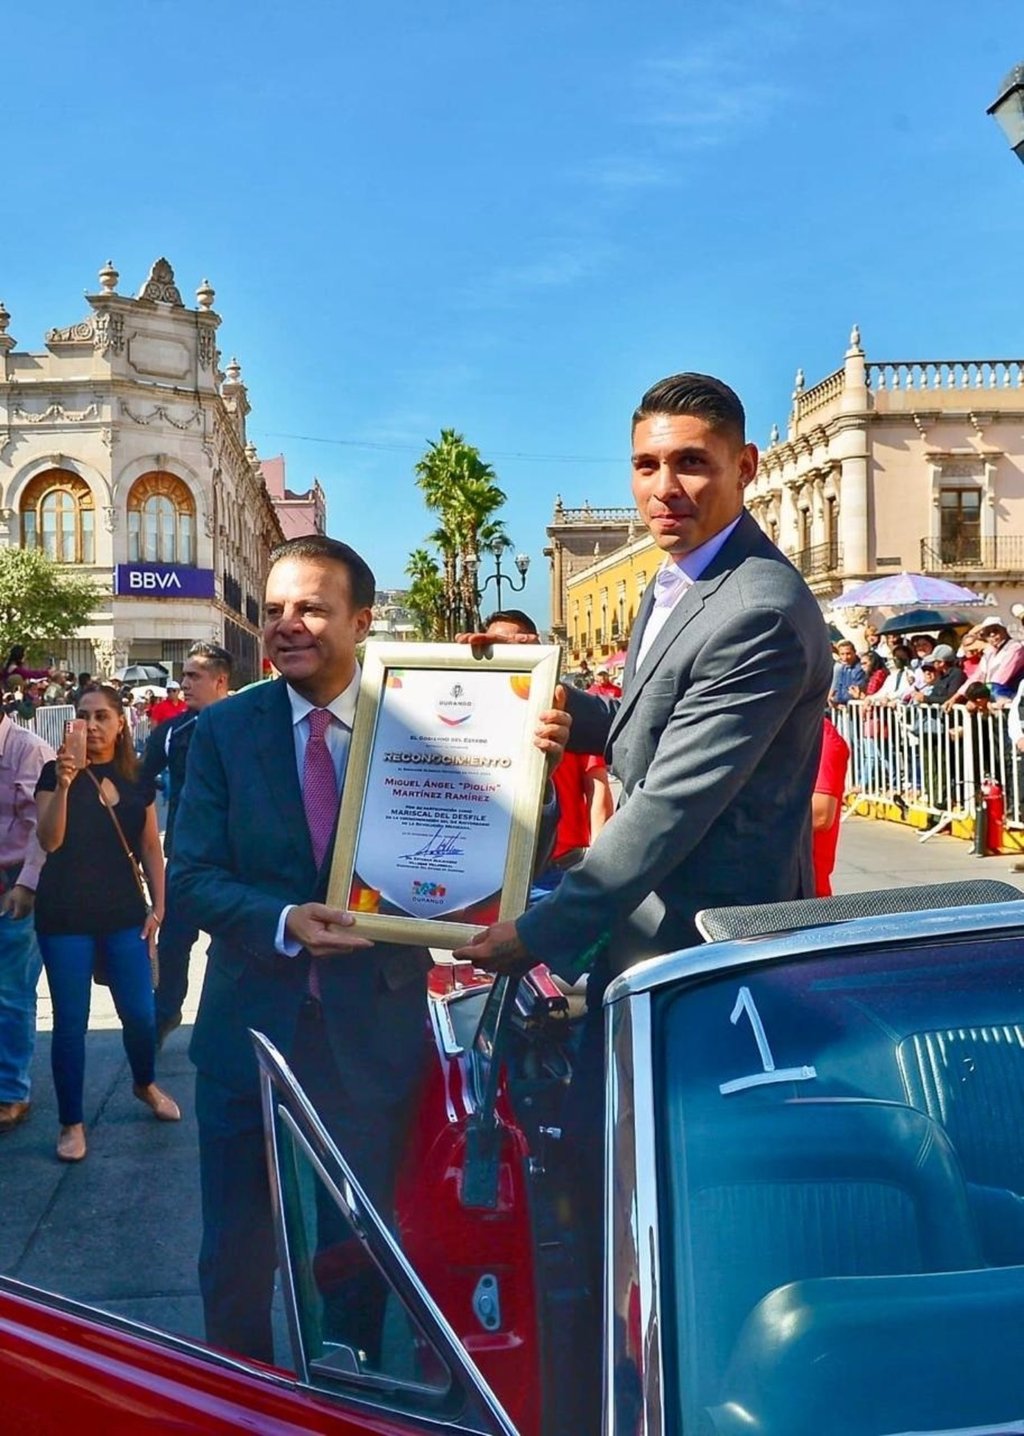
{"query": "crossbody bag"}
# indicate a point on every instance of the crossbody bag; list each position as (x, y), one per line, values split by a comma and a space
(133, 863)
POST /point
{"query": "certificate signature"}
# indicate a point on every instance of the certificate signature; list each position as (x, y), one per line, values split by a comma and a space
(440, 845)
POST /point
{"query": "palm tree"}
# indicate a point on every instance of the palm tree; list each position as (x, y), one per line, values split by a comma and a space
(426, 594)
(460, 488)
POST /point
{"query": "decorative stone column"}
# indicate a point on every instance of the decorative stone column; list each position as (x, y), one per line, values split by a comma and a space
(111, 654)
(850, 447)
(7, 341)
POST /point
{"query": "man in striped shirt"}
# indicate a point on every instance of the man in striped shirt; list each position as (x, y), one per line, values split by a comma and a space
(22, 756)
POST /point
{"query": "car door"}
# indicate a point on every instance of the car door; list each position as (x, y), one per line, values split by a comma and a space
(64, 1367)
(337, 1253)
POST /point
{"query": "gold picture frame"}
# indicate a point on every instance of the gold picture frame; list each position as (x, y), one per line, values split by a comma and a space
(442, 758)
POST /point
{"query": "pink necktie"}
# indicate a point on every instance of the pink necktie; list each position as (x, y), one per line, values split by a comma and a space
(320, 800)
(319, 785)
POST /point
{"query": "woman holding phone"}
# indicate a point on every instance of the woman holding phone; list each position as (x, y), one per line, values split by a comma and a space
(97, 822)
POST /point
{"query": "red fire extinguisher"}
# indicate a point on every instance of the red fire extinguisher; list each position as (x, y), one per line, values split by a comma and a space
(995, 813)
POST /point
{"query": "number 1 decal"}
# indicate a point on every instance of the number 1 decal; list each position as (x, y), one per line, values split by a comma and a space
(769, 1072)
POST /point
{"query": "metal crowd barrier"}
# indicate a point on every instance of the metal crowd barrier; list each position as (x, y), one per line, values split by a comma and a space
(49, 719)
(920, 756)
(49, 722)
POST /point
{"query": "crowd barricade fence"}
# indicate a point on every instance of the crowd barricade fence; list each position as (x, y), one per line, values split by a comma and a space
(931, 767)
(49, 720)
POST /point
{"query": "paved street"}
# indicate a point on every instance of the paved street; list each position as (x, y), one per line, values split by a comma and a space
(122, 1231)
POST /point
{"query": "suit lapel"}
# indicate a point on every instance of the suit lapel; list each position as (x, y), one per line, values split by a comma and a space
(732, 553)
(275, 743)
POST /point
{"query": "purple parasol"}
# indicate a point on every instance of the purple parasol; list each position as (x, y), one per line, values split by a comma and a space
(900, 590)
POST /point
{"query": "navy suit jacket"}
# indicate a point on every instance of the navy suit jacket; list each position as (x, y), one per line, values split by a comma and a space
(241, 853)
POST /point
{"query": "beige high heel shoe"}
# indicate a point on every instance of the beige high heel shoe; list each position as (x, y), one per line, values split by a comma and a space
(164, 1108)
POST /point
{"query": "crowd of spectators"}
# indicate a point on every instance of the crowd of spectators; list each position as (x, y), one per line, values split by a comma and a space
(24, 690)
(907, 685)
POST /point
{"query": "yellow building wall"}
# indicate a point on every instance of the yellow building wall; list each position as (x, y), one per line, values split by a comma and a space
(602, 601)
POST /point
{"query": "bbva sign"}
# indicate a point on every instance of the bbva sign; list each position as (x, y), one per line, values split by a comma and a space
(163, 580)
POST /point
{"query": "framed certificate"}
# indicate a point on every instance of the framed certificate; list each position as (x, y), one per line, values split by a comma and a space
(443, 790)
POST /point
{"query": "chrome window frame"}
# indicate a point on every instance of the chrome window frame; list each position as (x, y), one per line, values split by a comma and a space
(632, 1206)
(485, 1415)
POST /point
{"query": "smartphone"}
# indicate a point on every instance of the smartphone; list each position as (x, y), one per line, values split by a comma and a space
(74, 740)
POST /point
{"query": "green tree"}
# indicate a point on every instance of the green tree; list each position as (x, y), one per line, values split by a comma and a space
(460, 488)
(41, 603)
(425, 598)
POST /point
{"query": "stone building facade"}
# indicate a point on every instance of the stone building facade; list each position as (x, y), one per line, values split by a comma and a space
(299, 514)
(123, 453)
(576, 537)
(893, 465)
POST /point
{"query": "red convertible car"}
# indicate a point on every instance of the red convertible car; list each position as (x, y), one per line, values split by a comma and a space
(813, 1211)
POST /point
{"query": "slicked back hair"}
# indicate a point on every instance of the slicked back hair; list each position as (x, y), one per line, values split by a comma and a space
(512, 615)
(361, 582)
(699, 395)
(217, 659)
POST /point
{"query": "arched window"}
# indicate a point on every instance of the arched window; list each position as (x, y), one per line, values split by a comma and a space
(57, 515)
(161, 521)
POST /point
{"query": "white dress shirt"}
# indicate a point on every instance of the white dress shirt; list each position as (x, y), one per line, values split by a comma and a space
(342, 710)
(672, 581)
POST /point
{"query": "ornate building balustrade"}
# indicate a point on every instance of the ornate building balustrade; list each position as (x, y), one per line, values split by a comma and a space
(586, 514)
(935, 375)
(1003, 553)
(825, 393)
(819, 558)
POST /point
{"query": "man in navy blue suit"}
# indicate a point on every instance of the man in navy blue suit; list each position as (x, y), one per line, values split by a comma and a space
(250, 866)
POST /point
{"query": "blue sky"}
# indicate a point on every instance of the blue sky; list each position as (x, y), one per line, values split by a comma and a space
(510, 218)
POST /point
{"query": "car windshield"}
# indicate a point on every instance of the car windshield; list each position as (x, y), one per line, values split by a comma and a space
(841, 1179)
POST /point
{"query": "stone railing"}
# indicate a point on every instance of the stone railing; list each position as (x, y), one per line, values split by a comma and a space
(938, 375)
(588, 515)
(1001, 552)
(820, 396)
(819, 558)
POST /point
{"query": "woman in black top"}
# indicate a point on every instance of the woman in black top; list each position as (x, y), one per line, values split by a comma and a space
(90, 904)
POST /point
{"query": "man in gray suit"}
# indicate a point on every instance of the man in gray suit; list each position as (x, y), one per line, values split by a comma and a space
(717, 734)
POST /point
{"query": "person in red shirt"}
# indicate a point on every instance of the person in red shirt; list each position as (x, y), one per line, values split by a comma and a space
(604, 687)
(168, 707)
(826, 800)
(580, 780)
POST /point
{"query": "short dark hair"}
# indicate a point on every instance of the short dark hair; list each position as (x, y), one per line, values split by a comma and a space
(511, 615)
(215, 657)
(362, 584)
(702, 396)
(974, 691)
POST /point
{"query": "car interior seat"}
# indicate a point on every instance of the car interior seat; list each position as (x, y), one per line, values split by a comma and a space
(808, 1188)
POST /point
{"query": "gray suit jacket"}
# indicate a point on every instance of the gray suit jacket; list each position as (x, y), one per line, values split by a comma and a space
(716, 741)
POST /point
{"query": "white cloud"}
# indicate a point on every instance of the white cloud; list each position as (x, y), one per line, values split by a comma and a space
(563, 264)
(707, 96)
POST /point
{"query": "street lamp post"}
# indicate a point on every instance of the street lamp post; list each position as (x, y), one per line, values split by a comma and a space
(1008, 110)
(498, 547)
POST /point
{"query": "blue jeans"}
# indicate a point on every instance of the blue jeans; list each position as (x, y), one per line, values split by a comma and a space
(20, 964)
(69, 962)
